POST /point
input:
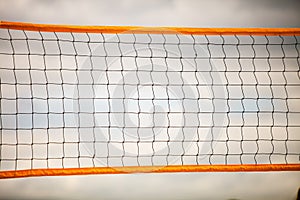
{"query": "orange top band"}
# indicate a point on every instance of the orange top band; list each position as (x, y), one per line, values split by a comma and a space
(150, 169)
(148, 30)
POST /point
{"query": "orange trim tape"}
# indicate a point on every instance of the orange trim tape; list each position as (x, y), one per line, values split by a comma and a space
(148, 30)
(150, 169)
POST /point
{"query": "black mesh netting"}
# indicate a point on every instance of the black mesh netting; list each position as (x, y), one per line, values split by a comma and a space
(87, 100)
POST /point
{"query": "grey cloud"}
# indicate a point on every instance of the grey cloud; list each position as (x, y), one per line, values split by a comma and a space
(271, 4)
(156, 186)
(214, 13)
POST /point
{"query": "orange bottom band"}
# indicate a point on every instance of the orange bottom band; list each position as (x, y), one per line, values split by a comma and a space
(149, 169)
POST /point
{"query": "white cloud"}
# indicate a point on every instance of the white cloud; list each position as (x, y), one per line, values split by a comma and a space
(214, 13)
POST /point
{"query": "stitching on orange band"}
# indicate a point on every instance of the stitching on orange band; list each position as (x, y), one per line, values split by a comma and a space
(148, 30)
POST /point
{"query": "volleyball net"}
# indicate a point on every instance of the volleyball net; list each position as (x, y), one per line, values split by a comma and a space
(97, 100)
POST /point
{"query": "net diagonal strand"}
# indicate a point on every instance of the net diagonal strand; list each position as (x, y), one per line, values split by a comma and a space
(84, 103)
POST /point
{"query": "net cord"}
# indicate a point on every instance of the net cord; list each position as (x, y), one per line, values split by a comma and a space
(148, 30)
(149, 169)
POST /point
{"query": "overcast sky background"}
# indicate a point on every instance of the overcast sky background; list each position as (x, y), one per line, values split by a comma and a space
(211, 13)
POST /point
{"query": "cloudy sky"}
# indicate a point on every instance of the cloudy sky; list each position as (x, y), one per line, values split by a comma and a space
(188, 13)
(213, 13)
